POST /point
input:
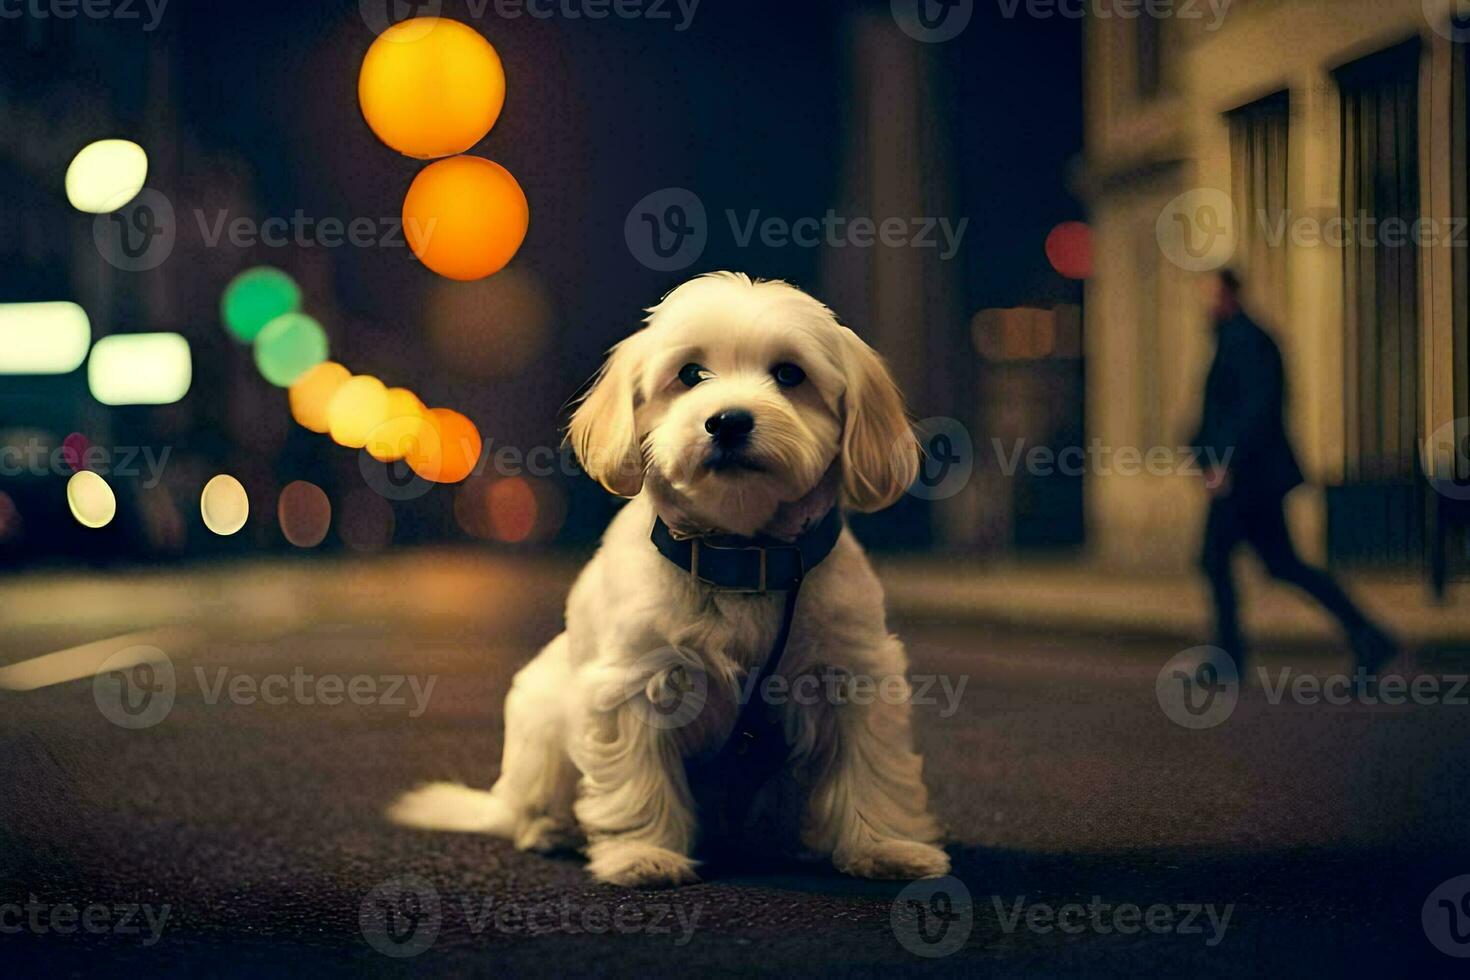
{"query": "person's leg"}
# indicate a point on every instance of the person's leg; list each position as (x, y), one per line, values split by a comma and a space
(1269, 535)
(1222, 534)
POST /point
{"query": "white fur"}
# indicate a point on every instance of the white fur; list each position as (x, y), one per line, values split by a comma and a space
(586, 760)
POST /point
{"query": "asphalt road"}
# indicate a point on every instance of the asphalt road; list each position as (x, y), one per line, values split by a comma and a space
(1091, 834)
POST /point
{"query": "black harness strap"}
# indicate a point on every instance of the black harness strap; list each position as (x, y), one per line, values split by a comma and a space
(727, 782)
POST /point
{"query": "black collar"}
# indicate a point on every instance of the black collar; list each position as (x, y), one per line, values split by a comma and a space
(730, 563)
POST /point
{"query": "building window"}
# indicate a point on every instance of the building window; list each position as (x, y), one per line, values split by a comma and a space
(1380, 200)
(1260, 149)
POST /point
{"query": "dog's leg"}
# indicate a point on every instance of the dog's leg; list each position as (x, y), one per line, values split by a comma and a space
(869, 809)
(531, 802)
(635, 805)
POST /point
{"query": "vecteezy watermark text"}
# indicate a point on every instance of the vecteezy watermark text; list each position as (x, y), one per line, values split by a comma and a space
(402, 917)
(37, 457)
(127, 919)
(1099, 459)
(1126, 918)
(88, 9)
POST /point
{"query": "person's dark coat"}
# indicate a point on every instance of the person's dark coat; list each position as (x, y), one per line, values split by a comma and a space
(1244, 412)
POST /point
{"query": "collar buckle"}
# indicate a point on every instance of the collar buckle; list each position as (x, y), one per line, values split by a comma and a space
(696, 545)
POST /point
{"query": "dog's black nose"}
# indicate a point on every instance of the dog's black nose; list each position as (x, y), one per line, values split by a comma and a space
(730, 427)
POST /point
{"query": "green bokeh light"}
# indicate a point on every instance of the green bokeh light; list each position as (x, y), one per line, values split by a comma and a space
(256, 297)
(288, 347)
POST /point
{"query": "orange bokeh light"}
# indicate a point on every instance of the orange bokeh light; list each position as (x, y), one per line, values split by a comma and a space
(465, 217)
(312, 393)
(448, 449)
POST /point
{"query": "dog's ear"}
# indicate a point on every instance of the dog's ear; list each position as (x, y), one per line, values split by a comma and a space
(880, 454)
(603, 432)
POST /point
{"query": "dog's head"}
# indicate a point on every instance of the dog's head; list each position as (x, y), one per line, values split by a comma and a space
(740, 396)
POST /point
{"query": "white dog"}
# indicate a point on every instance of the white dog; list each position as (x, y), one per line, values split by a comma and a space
(742, 408)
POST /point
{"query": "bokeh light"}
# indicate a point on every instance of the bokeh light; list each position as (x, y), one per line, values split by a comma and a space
(106, 175)
(1069, 249)
(311, 393)
(365, 522)
(288, 347)
(256, 297)
(358, 407)
(140, 369)
(430, 87)
(492, 328)
(513, 509)
(74, 451)
(10, 522)
(305, 513)
(224, 505)
(43, 338)
(91, 500)
(465, 217)
(402, 428)
(449, 448)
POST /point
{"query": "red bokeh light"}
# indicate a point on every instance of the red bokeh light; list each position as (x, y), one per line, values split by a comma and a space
(1069, 249)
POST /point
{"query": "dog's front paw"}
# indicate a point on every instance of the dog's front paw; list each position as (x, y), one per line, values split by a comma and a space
(637, 865)
(893, 859)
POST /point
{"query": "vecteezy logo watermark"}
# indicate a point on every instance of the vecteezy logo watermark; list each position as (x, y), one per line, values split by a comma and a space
(1449, 19)
(1446, 917)
(669, 688)
(1197, 230)
(933, 917)
(90, 9)
(379, 15)
(1126, 919)
(1360, 229)
(667, 230)
(932, 21)
(1199, 688)
(1362, 687)
(94, 919)
(143, 234)
(1103, 460)
(1120, 10)
(136, 688)
(139, 235)
(948, 459)
(401, 916)
(1446, 457)
(38, 457)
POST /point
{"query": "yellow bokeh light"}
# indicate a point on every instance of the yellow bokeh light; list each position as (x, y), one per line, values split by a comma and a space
(430, 87)
(312, 393)
(106, 175)
(91, 500)
(401, 429)
(359, 406)
(140, 369)
(43, 338)
(224, 505)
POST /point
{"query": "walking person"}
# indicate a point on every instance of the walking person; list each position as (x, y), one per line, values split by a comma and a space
(1249, 468)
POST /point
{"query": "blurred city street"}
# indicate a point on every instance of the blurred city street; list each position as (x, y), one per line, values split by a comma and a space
(240, 827)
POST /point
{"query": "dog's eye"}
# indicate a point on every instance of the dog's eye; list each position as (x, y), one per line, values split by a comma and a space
(788, 375)
(692, 374)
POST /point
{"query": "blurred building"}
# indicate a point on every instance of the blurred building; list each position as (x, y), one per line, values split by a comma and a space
(1304, 142)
